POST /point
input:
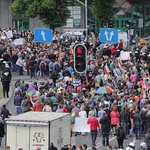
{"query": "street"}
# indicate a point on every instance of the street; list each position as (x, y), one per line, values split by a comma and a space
(79, 139)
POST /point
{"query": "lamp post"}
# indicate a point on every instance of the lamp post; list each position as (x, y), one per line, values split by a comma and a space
(86, 21)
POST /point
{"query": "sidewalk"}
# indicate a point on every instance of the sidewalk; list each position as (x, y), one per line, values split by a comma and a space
(3, 100)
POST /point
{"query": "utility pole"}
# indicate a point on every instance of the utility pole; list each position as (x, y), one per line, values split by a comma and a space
(86, 21)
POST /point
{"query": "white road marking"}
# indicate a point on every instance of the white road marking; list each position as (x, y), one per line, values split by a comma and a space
(100, 143)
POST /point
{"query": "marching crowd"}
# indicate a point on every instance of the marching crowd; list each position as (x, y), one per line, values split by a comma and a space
(123, 112)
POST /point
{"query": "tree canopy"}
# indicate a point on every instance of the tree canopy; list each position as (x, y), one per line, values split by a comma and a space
(53, 13)
(102, 10)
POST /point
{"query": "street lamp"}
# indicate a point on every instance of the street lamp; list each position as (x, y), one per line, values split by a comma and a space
(86, 21)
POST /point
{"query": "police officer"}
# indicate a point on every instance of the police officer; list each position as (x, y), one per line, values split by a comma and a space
(143, 146)
(6, 79)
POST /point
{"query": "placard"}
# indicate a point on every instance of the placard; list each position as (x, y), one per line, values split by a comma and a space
(125, 55)
(81, 125)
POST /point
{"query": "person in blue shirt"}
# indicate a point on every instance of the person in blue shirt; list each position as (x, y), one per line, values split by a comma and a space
(70, 69)
(100, 112)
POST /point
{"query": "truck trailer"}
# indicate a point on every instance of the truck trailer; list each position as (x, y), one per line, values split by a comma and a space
(38, 129)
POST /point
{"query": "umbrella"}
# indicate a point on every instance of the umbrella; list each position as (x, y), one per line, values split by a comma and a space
(104, 90)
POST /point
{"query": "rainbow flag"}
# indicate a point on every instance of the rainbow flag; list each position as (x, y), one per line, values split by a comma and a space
(73, 115)
(31, 92)
(121, 67)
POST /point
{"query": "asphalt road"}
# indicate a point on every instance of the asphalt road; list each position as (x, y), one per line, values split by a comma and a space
(79, 139)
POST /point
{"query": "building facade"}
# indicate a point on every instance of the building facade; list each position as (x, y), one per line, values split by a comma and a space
(128, 14)
(7, 19)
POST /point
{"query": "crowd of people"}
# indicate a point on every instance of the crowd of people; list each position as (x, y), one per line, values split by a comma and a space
(125, 110)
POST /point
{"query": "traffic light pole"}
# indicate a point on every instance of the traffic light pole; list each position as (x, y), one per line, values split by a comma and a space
(86, 21)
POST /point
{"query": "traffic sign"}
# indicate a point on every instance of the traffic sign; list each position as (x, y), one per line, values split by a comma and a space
(108, 35)
(43, 35)
(143, 42)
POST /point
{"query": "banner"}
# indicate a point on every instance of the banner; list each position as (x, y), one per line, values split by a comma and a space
(81, 125)
(18, 42)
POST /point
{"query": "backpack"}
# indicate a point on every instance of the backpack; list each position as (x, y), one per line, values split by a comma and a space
(51, 65)
(69, 88)
(47, 108)
(121, 133)
(143, 115)
(57, 67)
(42, 65)
(137, 120)
(31, 62)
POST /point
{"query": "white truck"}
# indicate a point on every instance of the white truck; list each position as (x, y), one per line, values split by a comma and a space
(38, 129)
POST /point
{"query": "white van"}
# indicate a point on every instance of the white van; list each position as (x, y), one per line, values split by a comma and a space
(72, 34)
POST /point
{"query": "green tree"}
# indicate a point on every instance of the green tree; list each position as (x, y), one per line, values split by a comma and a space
(53, 13)
(102, 10)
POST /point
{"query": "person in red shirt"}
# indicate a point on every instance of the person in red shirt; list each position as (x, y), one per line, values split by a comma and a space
(65, 110)
(120, 45)
(38, 105)
(113, 50)
(94, 127)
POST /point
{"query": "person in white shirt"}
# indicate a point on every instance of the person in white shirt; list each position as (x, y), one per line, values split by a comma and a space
(92, 112)
(20, 64)
(82, 113)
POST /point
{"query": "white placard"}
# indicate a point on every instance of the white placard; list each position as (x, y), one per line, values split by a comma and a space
(9, 34)
(18, 41)
(81, 125)
(125, 55)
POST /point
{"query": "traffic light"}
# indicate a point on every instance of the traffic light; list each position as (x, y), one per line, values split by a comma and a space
(111, 23)
(105, 24)
(128, 24)
(80, 58)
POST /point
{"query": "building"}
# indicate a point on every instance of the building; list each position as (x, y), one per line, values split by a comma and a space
(7, 19)
(128, 14)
